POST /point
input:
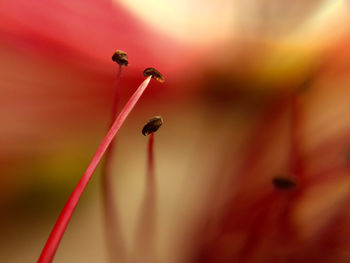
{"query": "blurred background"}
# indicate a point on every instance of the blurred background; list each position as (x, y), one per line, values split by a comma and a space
(254, 89)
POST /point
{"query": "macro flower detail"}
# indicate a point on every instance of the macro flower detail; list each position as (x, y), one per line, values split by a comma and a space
(252, 165)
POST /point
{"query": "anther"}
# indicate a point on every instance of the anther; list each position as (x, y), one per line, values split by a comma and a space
(154, 73)
(284, 182)
(152, 125)
(120, 57)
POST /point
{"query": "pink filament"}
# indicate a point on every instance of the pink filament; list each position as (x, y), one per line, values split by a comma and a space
(55, 237)
(150, 166)
(114, 237)
(145, 235)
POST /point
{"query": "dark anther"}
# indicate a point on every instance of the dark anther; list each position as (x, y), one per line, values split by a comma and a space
(152, 125)
(154, 73)
(284, 182)
(306, 84)
(347, 156)
(120, 57)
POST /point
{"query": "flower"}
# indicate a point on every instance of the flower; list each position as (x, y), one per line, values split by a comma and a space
(242, 107)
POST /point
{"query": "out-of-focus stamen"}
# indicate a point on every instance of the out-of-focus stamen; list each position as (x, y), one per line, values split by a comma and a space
(113, 231)
(146, 230)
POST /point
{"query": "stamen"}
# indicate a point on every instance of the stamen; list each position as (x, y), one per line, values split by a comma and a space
(284, 182)
(152, 125)
(120, 57)
(146, 230)
(55, 237)
(154, 73)
(114, 237)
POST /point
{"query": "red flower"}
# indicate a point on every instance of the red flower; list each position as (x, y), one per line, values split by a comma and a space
(265, 101)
